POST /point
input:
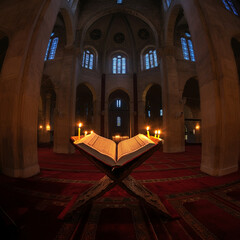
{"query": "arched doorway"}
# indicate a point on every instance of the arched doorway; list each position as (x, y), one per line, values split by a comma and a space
(46, 112)
(3, 50)
(84, 107)
(236, 50)
(118, 115)
(153, 107)
(192, 112)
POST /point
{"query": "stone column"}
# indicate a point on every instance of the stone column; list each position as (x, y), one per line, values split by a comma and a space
(103, 82)
(20, 83)
(173, 118)
(64, 124)
(135, 108)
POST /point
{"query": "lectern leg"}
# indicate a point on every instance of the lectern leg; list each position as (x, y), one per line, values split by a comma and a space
(96, 191)
(136, 189)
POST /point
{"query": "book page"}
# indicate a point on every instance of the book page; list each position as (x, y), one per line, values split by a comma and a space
(133, 147)
(102, 148)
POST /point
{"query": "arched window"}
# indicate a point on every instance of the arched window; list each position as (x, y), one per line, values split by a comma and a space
(168, 2)
(52, 47)
(118, 121)
(231, 6)
(119, 64)
(187, 47)
(150, 59)
(88, 59)
(118, 103)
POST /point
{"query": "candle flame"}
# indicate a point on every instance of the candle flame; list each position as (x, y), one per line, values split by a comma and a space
(159, 131)
(80, 124)
(197, 126)
(48, 128)
(156, 131)
(148, 128)
(40, 126)
(92, 132)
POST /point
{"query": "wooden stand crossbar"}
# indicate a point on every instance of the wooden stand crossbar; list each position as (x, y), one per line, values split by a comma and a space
(119, 176)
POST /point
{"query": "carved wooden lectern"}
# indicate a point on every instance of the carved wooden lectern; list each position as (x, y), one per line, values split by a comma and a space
(120, 176)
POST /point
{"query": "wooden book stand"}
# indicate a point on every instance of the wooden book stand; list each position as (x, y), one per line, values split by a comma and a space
(119, 176)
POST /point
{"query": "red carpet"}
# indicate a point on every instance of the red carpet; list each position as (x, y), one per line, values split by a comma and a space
(208, 207)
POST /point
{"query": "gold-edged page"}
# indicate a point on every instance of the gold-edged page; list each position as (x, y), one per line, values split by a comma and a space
(105, 146)
(133, 147)
(102, 148)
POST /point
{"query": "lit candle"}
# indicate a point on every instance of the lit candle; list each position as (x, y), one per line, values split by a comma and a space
(48, 128)
(155, 133)
(159, 132)
(40, 127)
(85, 133)
(79, 130)
(197, 127)
(148, 131)
(91, 131)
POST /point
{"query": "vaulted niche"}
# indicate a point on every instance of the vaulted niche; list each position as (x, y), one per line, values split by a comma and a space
(118, 115)
(153, 107)
(192, 111)
(236, 50)
(3, 50)
(84, 107)
(183, 39)
(46, 111)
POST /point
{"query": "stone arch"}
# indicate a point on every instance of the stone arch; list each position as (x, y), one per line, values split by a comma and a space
(153, 107)
(192, 111)
(119, 126)
(118, 88)
(70, 35)
(216, 130)
(86, 24)
(4, 42)
(235, 44)
(20, 160)
(46, 111)
(85, 106)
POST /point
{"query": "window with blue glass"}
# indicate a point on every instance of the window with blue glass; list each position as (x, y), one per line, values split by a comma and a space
(150, 59)
(118, 103)
(51, 48)
(118, 121)
(187, 47)
(231, 6)
(119, 1)
(88, 59)
(149, 113)
(168, 2)
(119, 64)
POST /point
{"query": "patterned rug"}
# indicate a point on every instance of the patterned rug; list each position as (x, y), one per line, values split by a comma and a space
(204, 207)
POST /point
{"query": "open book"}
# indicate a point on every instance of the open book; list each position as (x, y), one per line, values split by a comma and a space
(112, 154)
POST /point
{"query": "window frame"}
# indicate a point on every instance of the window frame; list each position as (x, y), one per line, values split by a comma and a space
(232, 6)
(118, 60)
(187, 47)
(52, 47)
(149, 54)
(91, 58)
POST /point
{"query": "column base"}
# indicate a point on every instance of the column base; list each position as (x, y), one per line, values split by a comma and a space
(22, 172)
(219, 172)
